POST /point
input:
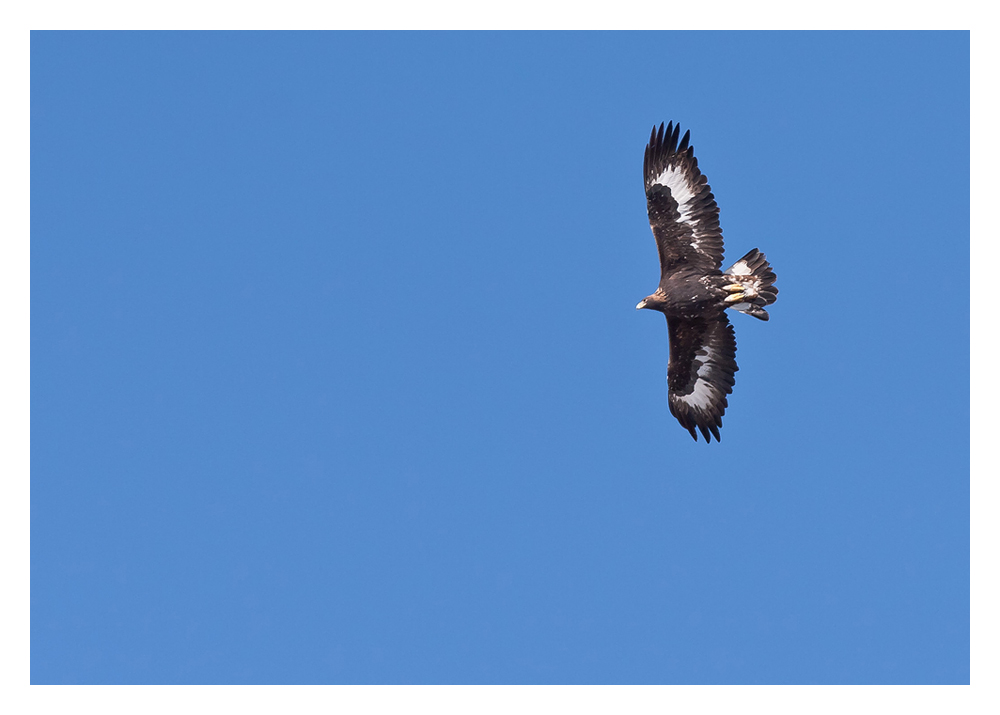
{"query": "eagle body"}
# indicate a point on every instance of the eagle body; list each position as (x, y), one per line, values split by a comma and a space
(689, 293)
(694, 293)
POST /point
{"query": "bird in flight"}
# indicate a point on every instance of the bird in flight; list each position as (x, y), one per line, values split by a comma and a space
(694, 293)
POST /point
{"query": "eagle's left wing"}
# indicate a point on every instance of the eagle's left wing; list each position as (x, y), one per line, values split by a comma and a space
(682, 210)
(701, 372)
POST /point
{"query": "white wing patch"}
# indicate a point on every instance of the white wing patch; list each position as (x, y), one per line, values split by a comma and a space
(680, 188)
(704, 393)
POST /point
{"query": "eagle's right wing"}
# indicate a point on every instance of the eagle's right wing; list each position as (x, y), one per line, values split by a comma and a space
(682, 210)
(701, 372)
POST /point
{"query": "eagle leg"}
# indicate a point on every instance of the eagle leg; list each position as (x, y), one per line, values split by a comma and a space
(741, 293)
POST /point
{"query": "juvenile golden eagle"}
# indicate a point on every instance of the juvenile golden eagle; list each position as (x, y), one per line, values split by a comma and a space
(694, 293)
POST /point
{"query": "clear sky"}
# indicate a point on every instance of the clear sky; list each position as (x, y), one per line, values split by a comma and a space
(337, 377)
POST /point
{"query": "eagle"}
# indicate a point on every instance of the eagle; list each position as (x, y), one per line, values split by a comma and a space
(694, 294)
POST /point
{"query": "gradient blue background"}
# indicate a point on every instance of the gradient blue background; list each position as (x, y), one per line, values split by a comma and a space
(336, 376)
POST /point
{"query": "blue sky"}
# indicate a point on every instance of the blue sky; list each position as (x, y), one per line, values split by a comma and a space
(336, 376)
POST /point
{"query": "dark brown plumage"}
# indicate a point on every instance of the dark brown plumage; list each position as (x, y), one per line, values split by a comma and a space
(694, 293)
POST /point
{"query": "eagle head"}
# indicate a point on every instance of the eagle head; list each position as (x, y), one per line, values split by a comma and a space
(651, 302)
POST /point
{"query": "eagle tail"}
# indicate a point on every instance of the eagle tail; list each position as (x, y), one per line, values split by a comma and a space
(752, 287)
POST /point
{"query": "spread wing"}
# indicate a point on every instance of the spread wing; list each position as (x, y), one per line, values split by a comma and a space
(701, 372)
(682, 210)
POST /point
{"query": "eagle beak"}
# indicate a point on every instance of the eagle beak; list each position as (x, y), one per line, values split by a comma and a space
(641, 304)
